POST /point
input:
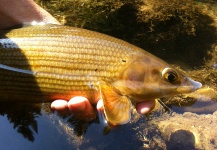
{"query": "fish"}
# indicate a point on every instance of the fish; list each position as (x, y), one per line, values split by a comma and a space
(42, 63)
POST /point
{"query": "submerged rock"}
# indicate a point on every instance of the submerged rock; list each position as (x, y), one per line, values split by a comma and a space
(184, 131)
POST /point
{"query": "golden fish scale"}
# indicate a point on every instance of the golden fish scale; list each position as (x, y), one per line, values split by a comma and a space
(63, 59)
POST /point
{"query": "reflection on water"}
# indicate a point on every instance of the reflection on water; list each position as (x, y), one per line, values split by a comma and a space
(27, 125)
(21, 134)
(23, 117)
(34, 126)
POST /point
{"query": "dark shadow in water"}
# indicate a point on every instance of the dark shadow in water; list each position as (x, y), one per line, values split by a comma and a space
(120, 137)
(166, 40)
(22, 116)
(79, 126)
(181, 139)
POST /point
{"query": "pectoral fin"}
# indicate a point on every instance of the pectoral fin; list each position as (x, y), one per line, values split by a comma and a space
(117, 107)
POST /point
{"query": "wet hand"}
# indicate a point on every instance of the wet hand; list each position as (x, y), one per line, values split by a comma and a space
(81, 108)
(145, 107)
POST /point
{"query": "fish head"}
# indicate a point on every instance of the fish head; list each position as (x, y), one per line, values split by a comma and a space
(140, 81)
(143, 81)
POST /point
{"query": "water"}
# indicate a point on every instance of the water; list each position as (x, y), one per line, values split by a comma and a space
(34, 126)
(39, 130)
(12, 138)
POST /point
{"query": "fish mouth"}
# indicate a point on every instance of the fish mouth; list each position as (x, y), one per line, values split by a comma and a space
(196, 85)
(193, 86)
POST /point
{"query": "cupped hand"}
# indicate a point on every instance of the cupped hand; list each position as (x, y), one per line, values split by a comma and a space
(81, 108)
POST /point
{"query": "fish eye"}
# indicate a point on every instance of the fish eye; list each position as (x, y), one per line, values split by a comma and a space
(170, 75)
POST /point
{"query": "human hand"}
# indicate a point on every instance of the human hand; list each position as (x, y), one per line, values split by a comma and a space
(16, 12)
(81, 108)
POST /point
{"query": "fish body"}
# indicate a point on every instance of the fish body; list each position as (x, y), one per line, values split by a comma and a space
(44, 63)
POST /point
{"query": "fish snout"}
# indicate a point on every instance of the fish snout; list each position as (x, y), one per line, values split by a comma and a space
(189, 86)
(196, 85)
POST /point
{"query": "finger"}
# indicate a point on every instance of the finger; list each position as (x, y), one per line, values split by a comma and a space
(61, 106)
(77, 104)
(102, 118)
(81, 108)
(99, 105)
(145, 107)
(100, 110)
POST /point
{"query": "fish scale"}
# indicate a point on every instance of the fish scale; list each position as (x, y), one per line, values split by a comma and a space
(61, 59)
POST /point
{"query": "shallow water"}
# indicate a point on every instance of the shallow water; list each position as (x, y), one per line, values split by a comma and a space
(50, 131)
(31, 126)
